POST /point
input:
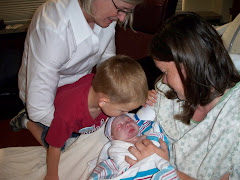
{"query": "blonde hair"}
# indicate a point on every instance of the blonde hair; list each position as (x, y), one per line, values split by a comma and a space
(122, 79)
(87, 6)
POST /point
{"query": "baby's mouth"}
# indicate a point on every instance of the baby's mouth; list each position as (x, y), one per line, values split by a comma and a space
(131, 130)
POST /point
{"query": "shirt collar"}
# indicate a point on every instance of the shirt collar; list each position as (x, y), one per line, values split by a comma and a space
(80, 26)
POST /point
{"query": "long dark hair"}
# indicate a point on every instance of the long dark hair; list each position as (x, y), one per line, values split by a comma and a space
(191, 42)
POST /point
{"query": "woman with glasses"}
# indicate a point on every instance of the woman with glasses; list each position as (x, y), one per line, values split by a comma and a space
(65, 40)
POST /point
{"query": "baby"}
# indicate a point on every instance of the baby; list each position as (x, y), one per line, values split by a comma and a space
(123, 128)
(123, 131)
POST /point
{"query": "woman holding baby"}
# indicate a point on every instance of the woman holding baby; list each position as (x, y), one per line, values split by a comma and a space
(197, 101)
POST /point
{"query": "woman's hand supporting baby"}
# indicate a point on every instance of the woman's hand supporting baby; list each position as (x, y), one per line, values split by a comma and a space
(145, 149)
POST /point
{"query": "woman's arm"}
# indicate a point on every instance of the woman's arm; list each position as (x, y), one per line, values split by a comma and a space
(225, 177)
(183, 176)
(45, 59)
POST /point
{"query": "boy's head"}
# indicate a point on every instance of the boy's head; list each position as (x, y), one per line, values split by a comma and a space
(122, 83)
(122, 128)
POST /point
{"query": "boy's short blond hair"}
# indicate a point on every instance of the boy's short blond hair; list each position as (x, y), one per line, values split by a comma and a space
(122, 79)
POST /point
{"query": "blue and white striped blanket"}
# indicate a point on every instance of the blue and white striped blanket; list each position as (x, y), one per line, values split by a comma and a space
(153, 167)
(145, 169)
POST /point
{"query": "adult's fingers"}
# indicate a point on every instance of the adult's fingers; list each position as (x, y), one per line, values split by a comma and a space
(164, 153)
(147, 142)
(134, 151)
(130, 161)
(140, 146)
(163, 144)
(141, 151)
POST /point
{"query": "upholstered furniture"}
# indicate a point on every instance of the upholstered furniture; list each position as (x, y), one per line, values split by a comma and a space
(230, 33)
(148, 18)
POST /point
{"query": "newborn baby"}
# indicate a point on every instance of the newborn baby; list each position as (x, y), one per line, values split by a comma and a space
(123, 128)
(123, 131)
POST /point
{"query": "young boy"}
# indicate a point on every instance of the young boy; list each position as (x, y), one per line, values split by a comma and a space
(118, 87)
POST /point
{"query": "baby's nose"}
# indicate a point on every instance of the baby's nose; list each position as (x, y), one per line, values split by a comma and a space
(128, 124)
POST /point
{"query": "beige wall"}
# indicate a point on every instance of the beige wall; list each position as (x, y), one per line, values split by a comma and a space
(217, 6)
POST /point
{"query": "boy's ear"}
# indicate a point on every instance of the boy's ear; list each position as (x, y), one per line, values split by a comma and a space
(102, 101)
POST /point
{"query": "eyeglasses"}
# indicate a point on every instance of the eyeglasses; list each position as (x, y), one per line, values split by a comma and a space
(122, 10)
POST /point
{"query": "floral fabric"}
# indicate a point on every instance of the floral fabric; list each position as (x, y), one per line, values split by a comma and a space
(205, 150)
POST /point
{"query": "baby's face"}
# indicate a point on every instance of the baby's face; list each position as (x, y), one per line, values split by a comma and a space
(124, 128)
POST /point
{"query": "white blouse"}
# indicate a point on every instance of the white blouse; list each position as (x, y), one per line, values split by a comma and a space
(60, 48)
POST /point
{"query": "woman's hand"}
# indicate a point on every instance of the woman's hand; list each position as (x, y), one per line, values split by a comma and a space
(147, 148)
(152, 97)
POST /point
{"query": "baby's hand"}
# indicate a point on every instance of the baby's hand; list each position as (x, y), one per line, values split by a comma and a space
(152, 97)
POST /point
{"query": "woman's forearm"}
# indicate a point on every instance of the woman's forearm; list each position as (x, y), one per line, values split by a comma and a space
(183, 176)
